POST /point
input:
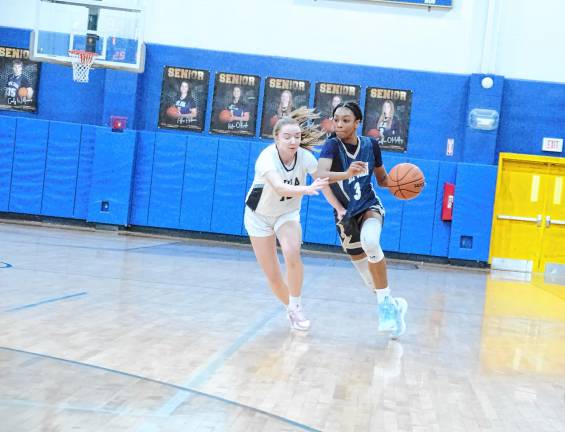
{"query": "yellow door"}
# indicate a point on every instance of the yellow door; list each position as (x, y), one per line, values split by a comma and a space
(553, 250)
(518, 214)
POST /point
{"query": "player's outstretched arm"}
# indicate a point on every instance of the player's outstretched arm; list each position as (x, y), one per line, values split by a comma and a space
(284, 189)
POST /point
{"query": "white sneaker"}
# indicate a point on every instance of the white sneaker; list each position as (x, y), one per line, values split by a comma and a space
(297, 320)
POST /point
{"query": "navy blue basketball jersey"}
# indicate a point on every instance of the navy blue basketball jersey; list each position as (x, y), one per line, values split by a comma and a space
(185, 105)
(357, 192)
(237, 109)
(13, 84)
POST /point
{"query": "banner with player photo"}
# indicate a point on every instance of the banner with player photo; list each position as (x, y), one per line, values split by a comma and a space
(19, 79)
(234, 109)
(183, 98)
(387, 115)
(281, 97)
(328, 95)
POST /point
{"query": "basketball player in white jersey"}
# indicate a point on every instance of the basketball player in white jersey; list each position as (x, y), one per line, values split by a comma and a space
(272, 209)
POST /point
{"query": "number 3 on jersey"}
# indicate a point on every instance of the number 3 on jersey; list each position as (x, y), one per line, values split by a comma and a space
(357, 188)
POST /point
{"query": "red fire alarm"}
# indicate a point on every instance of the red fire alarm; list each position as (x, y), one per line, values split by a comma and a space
(447, 204)
(118, 123)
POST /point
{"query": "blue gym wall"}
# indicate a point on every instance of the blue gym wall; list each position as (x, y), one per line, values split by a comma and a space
(64, 162)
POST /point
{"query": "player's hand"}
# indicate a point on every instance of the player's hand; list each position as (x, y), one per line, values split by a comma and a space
(357, 168)
(340, 213)
(316, 185)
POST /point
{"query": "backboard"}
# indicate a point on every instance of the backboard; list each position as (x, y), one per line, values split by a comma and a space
(113, 29)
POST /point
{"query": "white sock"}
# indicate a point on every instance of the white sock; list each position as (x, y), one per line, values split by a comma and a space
(294, 302)
(382, 294)
(362, 267)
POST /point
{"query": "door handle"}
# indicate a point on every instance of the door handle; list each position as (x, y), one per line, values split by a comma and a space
(548, 221)
(537, 219)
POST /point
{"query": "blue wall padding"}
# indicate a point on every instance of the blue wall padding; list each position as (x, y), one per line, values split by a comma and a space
(430, 129)
(442, 229)
(112, 173)
(120, 96)
(231, 183)
(304, 208)
(480, 145)
(390, 237)
(7, 138)
(199, 180)
(84, 174)
(29, 166)
(254, 151)
(320, 226)
(167, 180)
(522, 126)
(418, 214)
(472, 211)
(61, 169)
(143, 171)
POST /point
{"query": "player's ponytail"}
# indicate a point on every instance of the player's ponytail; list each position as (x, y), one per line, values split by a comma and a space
(304, 117)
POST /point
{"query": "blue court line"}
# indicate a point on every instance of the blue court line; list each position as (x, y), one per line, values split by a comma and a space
(203, 373)
(51, 300)
(5, 265)
(178, 387)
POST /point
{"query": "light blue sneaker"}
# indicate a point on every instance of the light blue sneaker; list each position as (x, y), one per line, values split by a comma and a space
(391, 316)
(401, 308)
(387, 314)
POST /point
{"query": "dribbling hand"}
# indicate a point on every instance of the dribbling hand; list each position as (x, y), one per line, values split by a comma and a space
(357, 168)
(316, 185)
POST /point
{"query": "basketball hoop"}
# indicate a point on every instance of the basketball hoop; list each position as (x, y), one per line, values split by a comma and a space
(82, 61)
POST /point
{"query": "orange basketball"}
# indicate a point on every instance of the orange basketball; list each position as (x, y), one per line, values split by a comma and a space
(406, 181)
(374, 133)
(225, 116)
(327, 125)
(22, 92)
(173, 112)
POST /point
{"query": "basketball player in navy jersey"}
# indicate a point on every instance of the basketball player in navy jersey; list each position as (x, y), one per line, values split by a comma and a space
(359, 213)
(17, 80)
(185, 103)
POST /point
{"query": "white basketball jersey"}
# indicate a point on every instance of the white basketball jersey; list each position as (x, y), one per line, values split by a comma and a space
(262, 198)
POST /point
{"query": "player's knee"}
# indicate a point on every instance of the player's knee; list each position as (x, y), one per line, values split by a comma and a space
(371, 239)
(291, 254)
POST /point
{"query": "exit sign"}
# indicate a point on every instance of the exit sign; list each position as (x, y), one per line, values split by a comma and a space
(552, 145)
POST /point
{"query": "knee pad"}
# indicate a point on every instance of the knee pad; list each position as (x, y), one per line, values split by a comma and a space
(371, 240)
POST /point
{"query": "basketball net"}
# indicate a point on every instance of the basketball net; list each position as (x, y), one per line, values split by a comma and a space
(82, 61)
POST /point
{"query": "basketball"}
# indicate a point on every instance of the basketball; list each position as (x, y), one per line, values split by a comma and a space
(406, 181)
(225, 116)
(22, 92)
(327, 125)
(173, 112)
(374, 133)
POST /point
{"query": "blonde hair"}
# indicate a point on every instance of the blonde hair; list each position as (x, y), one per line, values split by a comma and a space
(383, 118)
(304, 117)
